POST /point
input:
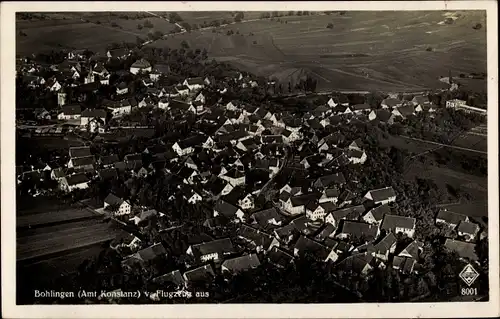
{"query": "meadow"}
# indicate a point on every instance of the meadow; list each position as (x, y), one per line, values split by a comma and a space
(369, 51)
(362, 51)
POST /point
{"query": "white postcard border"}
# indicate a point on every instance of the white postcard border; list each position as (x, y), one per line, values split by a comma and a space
(358, 310)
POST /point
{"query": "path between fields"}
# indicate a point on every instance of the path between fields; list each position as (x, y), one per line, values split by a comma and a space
(444, 145)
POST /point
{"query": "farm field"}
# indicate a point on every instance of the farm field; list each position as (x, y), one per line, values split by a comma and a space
(362, 51)
(472, 141)
(54, 216)
(476, 186)
(69, 33)
(55, 239)
(27, 205)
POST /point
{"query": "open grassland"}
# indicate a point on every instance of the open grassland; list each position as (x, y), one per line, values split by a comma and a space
(363, 50)
(55, 239)
(475, 186)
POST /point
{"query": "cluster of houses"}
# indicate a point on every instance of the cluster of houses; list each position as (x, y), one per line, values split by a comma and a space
(314, 212)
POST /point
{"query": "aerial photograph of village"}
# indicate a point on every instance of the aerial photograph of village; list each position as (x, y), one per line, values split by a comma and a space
(251, 157)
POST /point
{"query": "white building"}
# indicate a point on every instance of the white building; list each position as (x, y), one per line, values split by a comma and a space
(140, 66)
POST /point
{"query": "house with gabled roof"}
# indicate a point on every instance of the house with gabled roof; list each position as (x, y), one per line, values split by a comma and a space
(73, 182)
(119, 108)
(108, 160)
(122, 207)
(450, 219)
(361, 108)
(327, 231)
(89, 114)
(144, 216)
(173, 277)
(359, 263)
(330, 195)
(382, 116)
(465, 250)
(342, 110)
(420, 100)
(347, 213)
(223, 208)
(70, 112)
(404, 111)
(260, 241)
(139, 66)
(240, 264)
(107, 173)
(234, 177)
(376, 214)
(404, 264)
(356, 156)
(306, 245)
(399, 224)
(296, 205)
(203, 273)
(279, 257)
(194, 84)
(267, 218)
(354, 229)
(390, 103)
(191, 195)
(79, 151)
(332, 103)
(318, 211)
(186, 146)
(384, 247)
(413, 250)
(122, 88)
(468, 230)
(329, 181)
(381, 195)
(84, 162)
(213, 250)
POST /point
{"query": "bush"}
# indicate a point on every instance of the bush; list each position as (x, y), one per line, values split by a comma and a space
(148, 24)
(139, 26)
(186, 26)
(184, 44)
(429, 49)
(114, 24)
(330, 26)
(98, 22)
(254, 42)
(21, 33)
(477, 26)
(448, 21)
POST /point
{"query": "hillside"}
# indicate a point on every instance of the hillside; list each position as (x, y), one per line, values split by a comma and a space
(397, 50)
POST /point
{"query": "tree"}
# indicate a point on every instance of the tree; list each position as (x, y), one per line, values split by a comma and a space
(139, 26)
(174, 17)
(186, 26)
(239, 17)
(148, 24)
(184, 44)
(330, 25)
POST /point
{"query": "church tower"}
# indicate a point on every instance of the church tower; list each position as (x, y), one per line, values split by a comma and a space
(61, 97)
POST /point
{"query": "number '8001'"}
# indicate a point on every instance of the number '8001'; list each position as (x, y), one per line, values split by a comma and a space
(469, 291)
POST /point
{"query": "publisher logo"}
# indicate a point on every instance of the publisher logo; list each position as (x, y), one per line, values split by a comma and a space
(469, 274)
